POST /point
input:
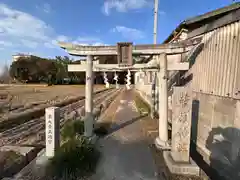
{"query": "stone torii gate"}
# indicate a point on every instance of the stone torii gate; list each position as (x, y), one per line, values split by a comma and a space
(124, 51)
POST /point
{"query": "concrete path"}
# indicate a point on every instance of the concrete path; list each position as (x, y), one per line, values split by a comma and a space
(126, 156)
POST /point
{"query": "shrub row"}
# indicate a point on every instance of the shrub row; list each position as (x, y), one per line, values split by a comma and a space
(77, 158)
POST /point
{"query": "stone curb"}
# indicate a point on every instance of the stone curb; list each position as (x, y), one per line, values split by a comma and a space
(181, 168)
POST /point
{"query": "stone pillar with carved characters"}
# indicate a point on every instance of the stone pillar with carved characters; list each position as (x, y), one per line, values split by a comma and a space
(52, 130)
(181, 124)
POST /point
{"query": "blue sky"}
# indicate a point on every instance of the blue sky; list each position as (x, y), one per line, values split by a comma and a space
(34, 26)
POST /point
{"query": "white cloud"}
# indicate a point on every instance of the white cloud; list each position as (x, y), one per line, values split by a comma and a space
(63, 38)
(5, 44)
(29, 43)
(51, 45)
(81, 40)
(124, 5)
(45, 7)
(23, 31)
(17, 24)
(19, 28)
(128, 33)
(88, 40)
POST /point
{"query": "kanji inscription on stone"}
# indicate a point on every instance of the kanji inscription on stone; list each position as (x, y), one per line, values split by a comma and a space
(181, 123)
(52, 116)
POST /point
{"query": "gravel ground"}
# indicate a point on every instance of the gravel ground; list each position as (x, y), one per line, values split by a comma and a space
(148, 133)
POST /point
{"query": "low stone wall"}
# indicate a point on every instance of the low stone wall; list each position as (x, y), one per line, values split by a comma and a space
(216, 133)
(145, 92)
(27, 155)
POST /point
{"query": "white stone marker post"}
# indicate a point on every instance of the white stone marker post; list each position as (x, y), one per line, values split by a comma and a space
(88, 123)
(52, 133)
(162, 141)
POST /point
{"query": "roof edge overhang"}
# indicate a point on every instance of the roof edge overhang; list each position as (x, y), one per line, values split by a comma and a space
(197, 19)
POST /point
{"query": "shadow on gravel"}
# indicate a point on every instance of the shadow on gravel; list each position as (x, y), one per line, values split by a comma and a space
(116, 127)
(125, 155)
(124, 159)
(103, 129)
(36, 146)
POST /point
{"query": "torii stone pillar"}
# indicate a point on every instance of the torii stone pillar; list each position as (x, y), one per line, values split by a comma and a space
(161, 141)
(153, 94)
(88, 124)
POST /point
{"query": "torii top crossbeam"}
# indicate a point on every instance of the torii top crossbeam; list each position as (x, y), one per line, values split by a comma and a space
(151, 49)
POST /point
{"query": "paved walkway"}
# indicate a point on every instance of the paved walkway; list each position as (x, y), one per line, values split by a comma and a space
(126, 156)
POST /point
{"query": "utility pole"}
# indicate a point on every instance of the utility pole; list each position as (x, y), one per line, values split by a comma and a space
(154, 82)
(155, 22)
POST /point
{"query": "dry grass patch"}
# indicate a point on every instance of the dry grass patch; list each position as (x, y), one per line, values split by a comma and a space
(142, 105)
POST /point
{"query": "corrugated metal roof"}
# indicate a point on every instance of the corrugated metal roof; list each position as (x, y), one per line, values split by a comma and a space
(215, 70)
(229, 18)
(213, 15)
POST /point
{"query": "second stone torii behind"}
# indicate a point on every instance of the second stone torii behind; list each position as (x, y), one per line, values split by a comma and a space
(159, 64)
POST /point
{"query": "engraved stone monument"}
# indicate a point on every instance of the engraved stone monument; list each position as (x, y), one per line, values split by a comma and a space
(52, 118)
(178, 159)
(181, 124)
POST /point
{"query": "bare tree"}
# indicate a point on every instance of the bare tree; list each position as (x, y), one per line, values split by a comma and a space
(4, 75)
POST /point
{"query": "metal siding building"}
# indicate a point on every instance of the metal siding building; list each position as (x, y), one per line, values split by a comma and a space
(216, 70)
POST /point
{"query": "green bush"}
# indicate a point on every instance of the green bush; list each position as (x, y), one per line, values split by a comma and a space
(77, 158)
(72, 129)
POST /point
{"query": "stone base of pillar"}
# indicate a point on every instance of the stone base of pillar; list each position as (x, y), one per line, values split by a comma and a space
(93, 139)
(183, 168)
(88, 125)
(162, 145)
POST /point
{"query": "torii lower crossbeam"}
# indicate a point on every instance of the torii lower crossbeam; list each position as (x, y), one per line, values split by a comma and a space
(135, 67)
